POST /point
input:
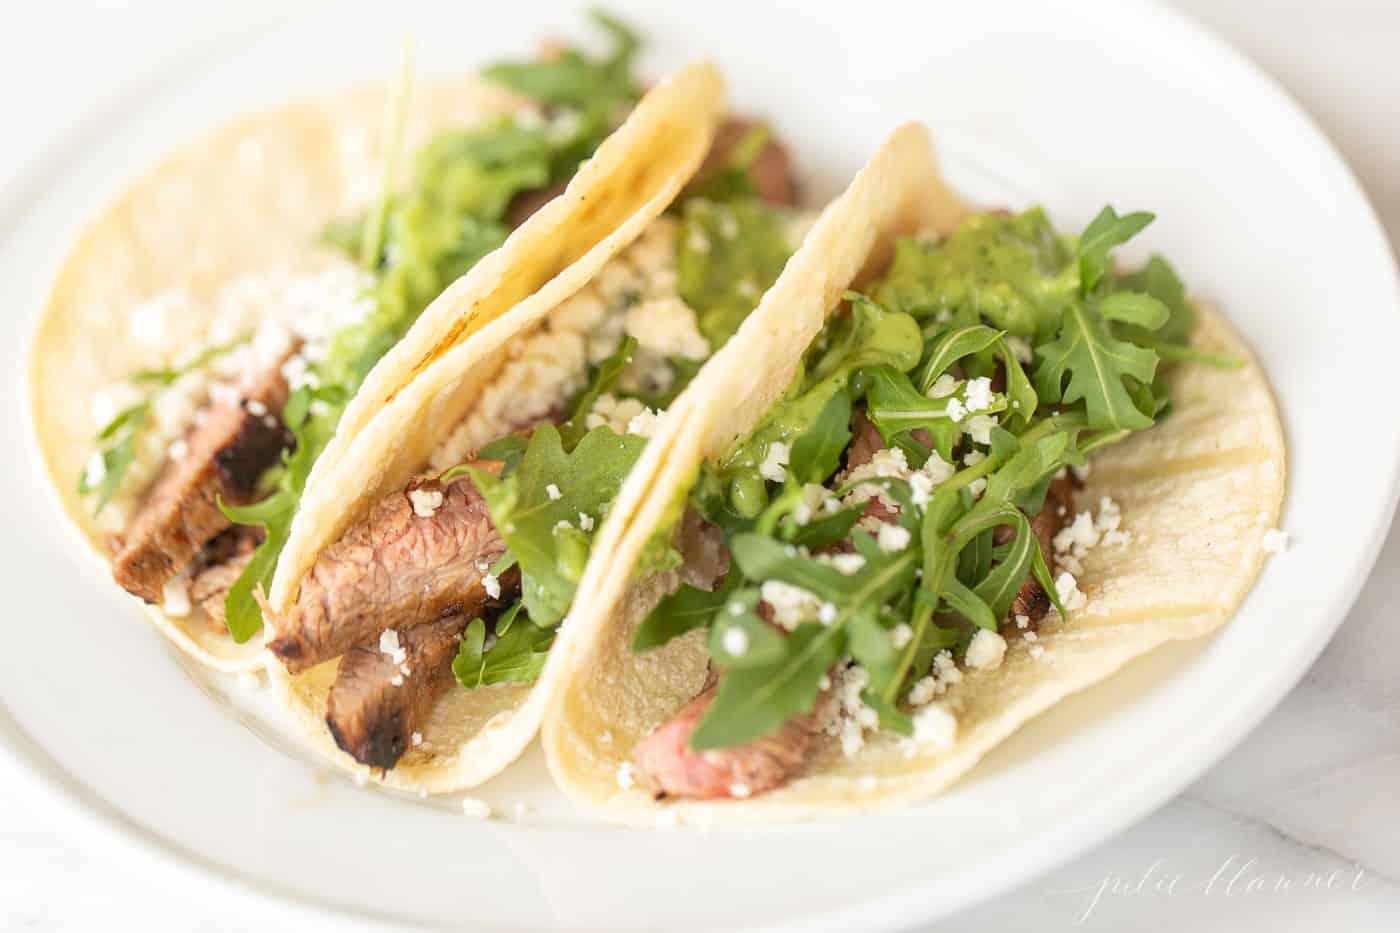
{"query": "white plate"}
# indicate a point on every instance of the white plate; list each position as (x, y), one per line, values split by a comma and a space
(1106, 101)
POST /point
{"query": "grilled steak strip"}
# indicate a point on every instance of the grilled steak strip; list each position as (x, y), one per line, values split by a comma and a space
(771, 170)
(376, 703)
(392, 569)
(667, 766)
(211, 585)
(229, 448)
(375, 707)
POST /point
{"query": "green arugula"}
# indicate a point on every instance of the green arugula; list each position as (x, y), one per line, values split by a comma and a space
(118, 438)
(542, 531)
(516, 655)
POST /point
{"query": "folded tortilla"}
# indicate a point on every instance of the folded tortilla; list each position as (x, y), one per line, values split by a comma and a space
(1197, 493)
(257, 194)
(252, 195)
(434, 378)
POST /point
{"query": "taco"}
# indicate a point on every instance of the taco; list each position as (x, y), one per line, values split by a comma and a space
(956, 466)
(413, 614)
(196, 368)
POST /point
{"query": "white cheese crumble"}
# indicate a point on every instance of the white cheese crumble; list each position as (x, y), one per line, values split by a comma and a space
(827, 614)
(416, 739)
(775, 461)
(175, 598)
(979, 428)
(255, 408)
(492, 584)
(645, 423)
(955, 410)
(739, 790)
(935, 727)
(1069, 591)
(944, 386)
(735, 642)
(901, 635)
(815, 497)
(1275, 541)
(852, 716)
(585, 521)
(978, 394)
(845, 563)
(625, 777)
(178, 450)
(1020, 348)
(426, 502)
(475, 808)
(667, 327)
(893, 538)
(1073, 542)
(613, 412)
(1036, 651)
(553, 492)
(389, 644)
(986, 650)
(791, 604)
(95, 471)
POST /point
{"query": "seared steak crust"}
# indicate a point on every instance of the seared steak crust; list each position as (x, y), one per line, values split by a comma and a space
(375, 707)
(392, 569)
(229, 447)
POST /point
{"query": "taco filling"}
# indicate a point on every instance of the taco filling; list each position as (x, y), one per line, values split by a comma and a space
(201, 461)
(459, 580)
(907, 508)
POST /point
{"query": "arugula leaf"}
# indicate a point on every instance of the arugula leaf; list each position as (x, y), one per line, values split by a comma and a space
(686, 609)
(1097, 365)
(516, 656)
(542, 531)
(116, 457)
(761, 643)
(605, 375)
(1158, 279)
(753, 701)
(1104, 232)
(1135, 308)
(817, 452)
(168, 375)
(572, 79)
(125, 427)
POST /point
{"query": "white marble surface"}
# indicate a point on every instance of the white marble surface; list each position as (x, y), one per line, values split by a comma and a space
(1297, 829)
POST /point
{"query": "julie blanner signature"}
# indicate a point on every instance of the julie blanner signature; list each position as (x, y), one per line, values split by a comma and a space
(1237, 876)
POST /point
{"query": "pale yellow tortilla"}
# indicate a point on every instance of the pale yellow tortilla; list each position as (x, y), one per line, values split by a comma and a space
(407, 407)
(251, 195)
(1197, 494)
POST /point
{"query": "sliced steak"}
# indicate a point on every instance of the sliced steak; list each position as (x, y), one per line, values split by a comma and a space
(667, 766)
(211, 585)
(377, 702)
(392, 569)
(230, 445)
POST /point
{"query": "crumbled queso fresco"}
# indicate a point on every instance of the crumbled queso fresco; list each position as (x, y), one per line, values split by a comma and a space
(634, 294)
(261, 314)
